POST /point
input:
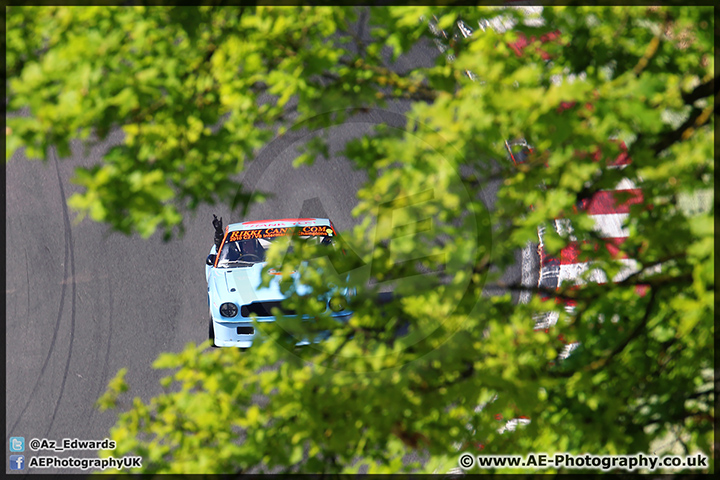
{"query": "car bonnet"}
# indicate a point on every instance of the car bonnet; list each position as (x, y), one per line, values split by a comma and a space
(242, 285)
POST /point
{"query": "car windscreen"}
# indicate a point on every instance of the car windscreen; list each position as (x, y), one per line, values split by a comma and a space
(248, 247)
(240, 253)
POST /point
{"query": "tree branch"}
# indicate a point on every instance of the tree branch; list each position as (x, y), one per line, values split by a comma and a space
(700, 394)
(701, 91)
(392, 79)
(407, 96)
(649, 53)
(574, 294)
(641, 326)
(683, 416)
(467, 373)
(698, 117)
(630, 279)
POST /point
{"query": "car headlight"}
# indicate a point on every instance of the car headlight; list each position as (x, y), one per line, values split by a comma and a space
(228, 309)
(337, 304)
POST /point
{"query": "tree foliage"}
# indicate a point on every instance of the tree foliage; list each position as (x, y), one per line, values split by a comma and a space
(198, 90)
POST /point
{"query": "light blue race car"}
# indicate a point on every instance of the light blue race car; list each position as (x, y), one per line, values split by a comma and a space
(234, 276)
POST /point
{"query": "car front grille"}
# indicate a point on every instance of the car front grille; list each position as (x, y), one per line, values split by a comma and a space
(245, 330)
(263, 309)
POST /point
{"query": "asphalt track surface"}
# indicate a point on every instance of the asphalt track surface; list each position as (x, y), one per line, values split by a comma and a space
(82, 302)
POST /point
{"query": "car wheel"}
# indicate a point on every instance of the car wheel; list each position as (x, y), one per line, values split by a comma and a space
(211, 334)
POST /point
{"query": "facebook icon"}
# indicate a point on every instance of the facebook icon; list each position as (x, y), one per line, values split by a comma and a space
(17, 462)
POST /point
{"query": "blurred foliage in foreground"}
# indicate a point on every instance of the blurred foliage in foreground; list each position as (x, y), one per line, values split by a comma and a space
(198, 90)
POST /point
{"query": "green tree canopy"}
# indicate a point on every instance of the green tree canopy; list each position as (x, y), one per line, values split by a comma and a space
(198, 90)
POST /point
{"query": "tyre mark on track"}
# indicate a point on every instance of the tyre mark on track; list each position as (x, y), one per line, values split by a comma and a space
(106, 362)
(27, 283)
(57, 320)
(69, 247)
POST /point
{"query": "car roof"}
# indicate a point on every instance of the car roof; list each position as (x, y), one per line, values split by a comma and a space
(279, 223)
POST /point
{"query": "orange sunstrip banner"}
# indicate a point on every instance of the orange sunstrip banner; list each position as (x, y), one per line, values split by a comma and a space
(306, 231)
